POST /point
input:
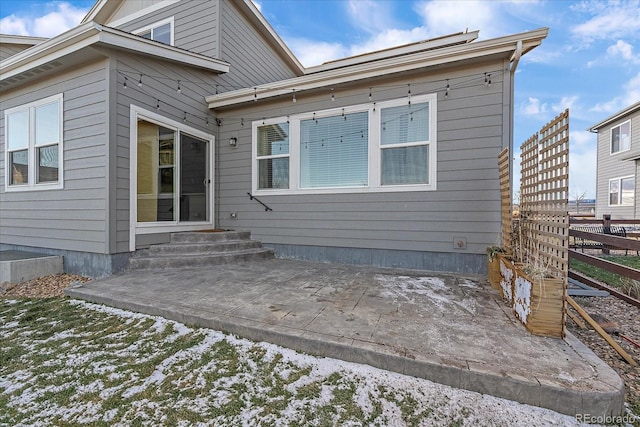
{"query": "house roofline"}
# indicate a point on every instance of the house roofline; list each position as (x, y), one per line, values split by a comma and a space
(91, 33)
(430, 44)
(377, 67)
(26, 40)
(257, 19)
(617, 116)
(103, 9)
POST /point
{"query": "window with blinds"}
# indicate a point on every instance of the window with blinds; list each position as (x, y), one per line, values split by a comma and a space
(383, 146)
(273, 156)
(404, 141)
(334, 151)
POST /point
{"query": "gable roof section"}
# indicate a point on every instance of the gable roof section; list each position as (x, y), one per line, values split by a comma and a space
(617, 116)
(23, 40)
(92, 34)
(104, 9)
(396, 60)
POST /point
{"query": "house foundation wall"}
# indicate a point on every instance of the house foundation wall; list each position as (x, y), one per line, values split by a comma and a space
(83, 263)
(465, 263)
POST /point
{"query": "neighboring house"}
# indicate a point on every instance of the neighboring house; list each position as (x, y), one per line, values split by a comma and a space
(618, 164)
(163, 116)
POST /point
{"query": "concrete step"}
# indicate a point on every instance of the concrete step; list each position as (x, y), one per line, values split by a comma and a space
(166, 261)
(204, 236)
(200, 247)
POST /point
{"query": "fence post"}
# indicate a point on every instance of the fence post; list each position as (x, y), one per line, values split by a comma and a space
(606, 229)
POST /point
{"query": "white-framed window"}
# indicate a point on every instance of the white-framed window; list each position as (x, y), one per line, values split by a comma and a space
(622, 191)
(621, 137)
(33, 141)
(161, 31)
(388, 146)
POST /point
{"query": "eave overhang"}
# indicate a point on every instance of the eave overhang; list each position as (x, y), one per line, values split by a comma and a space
(503, 46)
(617, 116)
(21, 40)
(92, 34)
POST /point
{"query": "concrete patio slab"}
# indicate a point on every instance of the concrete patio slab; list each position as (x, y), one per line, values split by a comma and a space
(446, 328)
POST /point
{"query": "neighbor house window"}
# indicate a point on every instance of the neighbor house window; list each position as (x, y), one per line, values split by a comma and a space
(387, 146)
(622, 191)
(33, 137)
(160, 31)
(621, 137)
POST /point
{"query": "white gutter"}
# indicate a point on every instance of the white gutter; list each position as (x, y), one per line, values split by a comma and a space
(90, 34)
(25, 40)
(617, 116)
(373, 69)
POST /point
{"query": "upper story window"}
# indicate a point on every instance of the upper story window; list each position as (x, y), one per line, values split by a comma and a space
(33, 137)
(621, 137)
(389, 146)
(160, 31)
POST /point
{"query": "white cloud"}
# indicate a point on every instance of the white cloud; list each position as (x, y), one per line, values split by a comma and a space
(630, 95)
(565, 102)
(59, 19)
(370, 15)
(446, 17)
(389, 38)
(581, 140)
(611, 21)
(582, 179)
(534, 107)
(623, 50)
(310, 52)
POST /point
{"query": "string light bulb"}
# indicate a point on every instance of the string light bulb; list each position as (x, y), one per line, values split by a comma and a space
(179, 88)
(157, 104)
(184, 118)
(333, 96)
(369, 94)
(489, 81)
(446, 92)
(486, 82)
(409, 94)
(140, 81)
(125, 82)
(294, 96)
(255, 94)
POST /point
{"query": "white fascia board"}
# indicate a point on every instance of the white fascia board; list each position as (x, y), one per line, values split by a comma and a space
(123, 40)
(453, 39)
(26, 40)
(617, 116)
(91, 33)
(378, 68)
(97, 8)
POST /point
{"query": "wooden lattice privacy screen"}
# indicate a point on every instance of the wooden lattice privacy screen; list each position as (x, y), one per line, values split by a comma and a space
(544, 199)
(505, 199)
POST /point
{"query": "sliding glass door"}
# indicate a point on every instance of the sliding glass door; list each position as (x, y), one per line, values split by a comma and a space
(172, 175)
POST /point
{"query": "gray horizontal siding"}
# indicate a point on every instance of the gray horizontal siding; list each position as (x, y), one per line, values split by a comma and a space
(611, 166)
(466, 203)
(72, 218)
(10, 49)
(195, 25)
(158, 84)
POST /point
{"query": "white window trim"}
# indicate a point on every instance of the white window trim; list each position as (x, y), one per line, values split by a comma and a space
(32, 156)
(157, 24)
(135, 227)
(375, 150)
(611, 152)
(619, 179)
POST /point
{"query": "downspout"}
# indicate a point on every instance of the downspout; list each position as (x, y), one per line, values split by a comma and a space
(515, 59)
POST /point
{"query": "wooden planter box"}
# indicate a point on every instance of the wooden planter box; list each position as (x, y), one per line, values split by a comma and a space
(507, 273)
(538, 304)
(493, 272)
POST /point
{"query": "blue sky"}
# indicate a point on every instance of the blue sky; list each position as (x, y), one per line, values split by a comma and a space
(590, 62)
